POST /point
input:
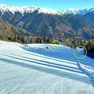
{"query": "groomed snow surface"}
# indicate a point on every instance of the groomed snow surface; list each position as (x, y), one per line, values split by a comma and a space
(43, 69)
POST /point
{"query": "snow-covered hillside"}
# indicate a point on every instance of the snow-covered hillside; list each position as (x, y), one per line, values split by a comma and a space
(31, 9)
(25, 9)
(13, 9)
(43, 69)
(78, 11)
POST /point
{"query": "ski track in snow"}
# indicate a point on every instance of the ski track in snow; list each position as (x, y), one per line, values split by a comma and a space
(33, 69)
(90, 75)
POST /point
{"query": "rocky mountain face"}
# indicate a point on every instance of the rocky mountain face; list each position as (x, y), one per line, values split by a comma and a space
(8, 30)
(89, 17)
(50, 23)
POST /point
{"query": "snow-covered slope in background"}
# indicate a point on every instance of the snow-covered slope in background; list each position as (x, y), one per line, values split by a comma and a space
(13, 9)
(30, 9)
(78, 11)
(47, 11)
(43, 69)
(25, 9)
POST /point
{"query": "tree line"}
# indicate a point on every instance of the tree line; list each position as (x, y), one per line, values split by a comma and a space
(27, 39)
(88, 44)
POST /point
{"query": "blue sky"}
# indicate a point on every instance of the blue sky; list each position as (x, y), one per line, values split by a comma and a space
(54, 4)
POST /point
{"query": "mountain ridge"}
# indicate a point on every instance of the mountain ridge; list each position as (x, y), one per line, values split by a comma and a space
(45, 22)
(24, 9)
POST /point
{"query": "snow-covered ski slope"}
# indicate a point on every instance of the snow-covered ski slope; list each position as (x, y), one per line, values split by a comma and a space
(43, 69)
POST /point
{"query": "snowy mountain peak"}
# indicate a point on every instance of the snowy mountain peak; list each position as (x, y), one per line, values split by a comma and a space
(13, 9)
(23, 9)
(30, 9)
(70, 11)
(47, 11)
(78, 11)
